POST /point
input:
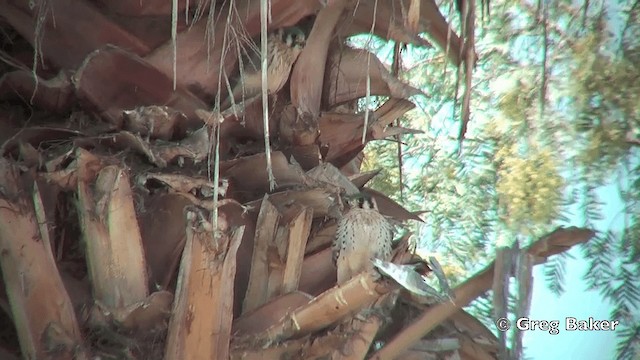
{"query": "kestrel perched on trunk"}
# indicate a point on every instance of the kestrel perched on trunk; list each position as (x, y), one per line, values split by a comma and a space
(362, 235)
(283, 48)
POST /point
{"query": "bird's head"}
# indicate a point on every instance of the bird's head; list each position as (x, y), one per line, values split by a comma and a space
(362, 201)
(294, 37)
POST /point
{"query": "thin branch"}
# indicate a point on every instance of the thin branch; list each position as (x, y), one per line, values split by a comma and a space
(174, 40)
(469, 64)
(395, 71)
(368, 88)
(545, 54)
(38, 34)
(585, 10)
(557, 242)
(264, 10)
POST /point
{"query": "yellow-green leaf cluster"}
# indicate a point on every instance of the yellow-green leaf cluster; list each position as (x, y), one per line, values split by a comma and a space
(529, 188)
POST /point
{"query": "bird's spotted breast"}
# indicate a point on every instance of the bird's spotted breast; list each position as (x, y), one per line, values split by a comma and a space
(362, 234)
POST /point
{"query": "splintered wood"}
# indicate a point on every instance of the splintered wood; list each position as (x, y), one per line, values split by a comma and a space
(41, 309)
(363, 328)
(324, 310)
(298, 233)
(278, 252)
(200, 327)
(259, 277)
(115, 256)
(362, 335)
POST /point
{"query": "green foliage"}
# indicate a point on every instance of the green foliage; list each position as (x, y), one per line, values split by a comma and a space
(554, 270)
(538, 147)
(388, 181)
(629, 343)
(607, 99)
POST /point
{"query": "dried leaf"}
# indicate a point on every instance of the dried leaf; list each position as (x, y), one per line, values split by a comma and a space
(156, 122)
(308, 73)
(61, 44)
(347, 78)
(389, 207)
(109, 90)
(54, 95)
(413, 17)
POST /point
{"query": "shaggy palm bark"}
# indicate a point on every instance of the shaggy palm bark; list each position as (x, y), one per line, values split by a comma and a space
(116, 242)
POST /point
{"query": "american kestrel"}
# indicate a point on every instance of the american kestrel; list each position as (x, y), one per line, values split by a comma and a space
(362, 235)
(283, 48)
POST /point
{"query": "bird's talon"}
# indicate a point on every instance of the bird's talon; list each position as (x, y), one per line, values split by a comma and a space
(376, 276)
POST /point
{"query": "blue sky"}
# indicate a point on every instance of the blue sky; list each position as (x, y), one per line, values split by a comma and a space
(576, 301)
